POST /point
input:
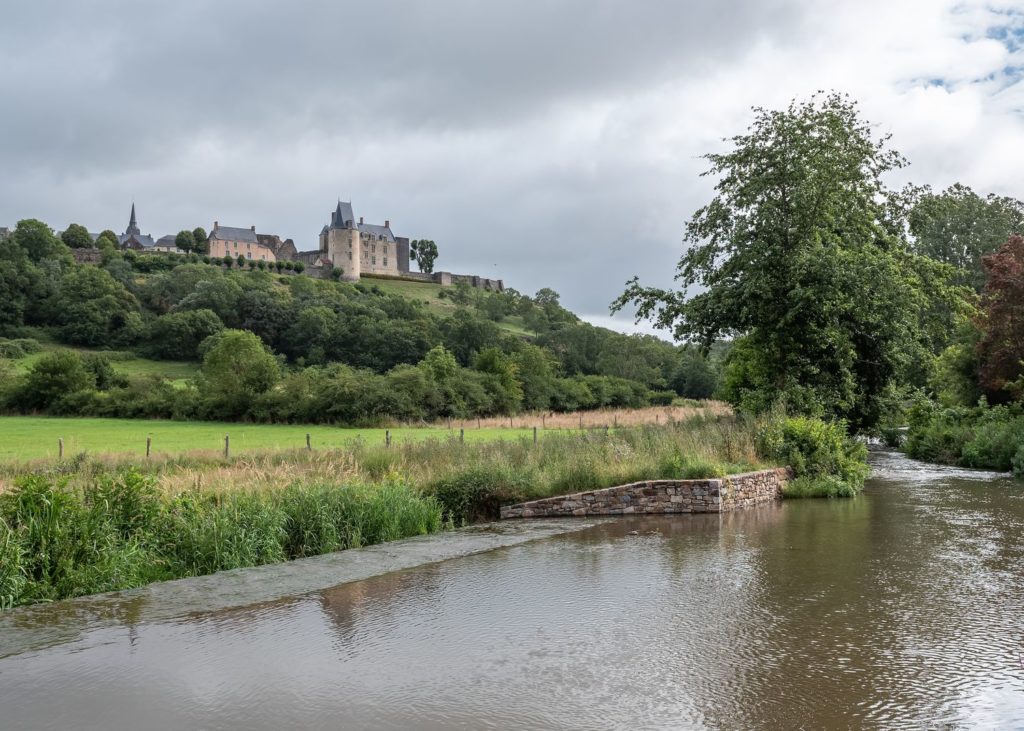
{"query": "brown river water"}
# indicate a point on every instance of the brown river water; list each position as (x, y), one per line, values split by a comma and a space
(903, 608)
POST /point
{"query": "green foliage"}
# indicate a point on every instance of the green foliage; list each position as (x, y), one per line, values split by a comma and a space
(201, 240)
(93, 308)
(799, 253)
(958, 227)
(52, 380)
(185, 241)
(37, 241)
(177, 336)
(109, 237)
(237, 368)
(985, 437)
(424, 253)
(119, 531)
(77, 236)
(825, 461)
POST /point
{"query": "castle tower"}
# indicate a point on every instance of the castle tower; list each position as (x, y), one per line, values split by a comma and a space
(341, 242)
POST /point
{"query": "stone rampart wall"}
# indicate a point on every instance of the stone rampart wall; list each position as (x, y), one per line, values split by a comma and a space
(717, 495)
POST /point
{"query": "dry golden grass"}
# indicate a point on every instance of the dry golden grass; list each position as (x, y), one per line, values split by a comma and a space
(594, 419)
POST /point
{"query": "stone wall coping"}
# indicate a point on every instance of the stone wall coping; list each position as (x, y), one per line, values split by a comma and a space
(699, 482)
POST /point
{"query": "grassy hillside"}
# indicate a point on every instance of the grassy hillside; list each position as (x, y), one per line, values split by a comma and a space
(126, 363)
(427, 293)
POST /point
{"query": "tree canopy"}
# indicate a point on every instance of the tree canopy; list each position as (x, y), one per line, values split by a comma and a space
(424, 253)
(800, 256)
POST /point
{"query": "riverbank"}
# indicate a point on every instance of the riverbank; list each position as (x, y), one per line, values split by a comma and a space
(89, 525)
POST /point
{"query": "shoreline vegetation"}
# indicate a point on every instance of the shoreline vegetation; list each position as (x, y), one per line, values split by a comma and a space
(88, 525)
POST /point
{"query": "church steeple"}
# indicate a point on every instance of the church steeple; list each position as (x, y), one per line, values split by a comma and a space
(133, 227)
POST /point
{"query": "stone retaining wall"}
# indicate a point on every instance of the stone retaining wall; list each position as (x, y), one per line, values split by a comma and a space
(661, 496)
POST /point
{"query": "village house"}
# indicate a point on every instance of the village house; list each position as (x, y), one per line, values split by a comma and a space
(244, 242)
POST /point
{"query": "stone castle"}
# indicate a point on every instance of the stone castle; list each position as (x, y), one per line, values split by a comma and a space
(358, 249)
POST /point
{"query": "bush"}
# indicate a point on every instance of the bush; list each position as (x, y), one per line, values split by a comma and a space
(984, 437)
(478, 492)
(18, 347)
(662, 398)
(824, 460)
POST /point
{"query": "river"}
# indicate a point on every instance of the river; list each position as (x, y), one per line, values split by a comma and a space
(903, 608)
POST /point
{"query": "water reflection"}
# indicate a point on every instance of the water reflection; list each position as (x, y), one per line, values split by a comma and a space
(897, 609)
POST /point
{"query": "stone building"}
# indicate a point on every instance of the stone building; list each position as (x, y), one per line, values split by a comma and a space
(234, 242)
(133, 238)
(360, 248)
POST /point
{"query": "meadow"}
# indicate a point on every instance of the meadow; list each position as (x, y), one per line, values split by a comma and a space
(89, 524)
(32, 438)
(28, 438)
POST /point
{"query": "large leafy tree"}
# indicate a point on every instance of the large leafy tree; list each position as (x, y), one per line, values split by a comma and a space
(186, 241)
(959, 227)
(237, 368)
(37, 241)
(800, 255)
(1001, 349)
(93, 308)
(424, 253)
(76, 236)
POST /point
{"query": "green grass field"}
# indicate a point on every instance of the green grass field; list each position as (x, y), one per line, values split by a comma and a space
(25, 438)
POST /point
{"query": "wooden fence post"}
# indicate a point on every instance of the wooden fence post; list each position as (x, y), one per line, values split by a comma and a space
(615, 420)
(606, 430)
(227, 446)
(449, 423)
(478, 422)
(581, 421)
(60, 448)
(462, 436)
(149, 443)
(510, 423)
(543, 421)
(387, 438)
(535, 436)
(309, 446)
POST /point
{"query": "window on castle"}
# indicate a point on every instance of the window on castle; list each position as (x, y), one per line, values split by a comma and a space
(385, 261)
(374, 261)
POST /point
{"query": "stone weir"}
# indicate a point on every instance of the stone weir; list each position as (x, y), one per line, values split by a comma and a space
(717, 495)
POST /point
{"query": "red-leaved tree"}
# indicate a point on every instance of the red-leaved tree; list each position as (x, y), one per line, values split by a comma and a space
(1001, 349)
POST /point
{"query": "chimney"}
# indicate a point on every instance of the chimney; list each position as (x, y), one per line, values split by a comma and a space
(387, 223)
(214, 225)
(253, 229)
(360, 220)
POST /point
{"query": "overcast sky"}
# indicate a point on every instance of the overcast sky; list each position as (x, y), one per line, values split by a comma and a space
(550, 143)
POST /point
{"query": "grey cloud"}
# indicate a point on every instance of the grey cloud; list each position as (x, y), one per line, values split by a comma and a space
(478, 124)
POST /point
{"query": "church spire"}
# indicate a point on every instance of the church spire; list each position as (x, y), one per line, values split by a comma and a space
(133, 227)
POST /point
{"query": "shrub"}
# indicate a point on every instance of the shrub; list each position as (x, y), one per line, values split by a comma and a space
(830, 462)
(478, 491)
(662, 398)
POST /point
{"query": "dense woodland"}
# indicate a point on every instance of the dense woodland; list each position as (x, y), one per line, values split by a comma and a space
(281, 347)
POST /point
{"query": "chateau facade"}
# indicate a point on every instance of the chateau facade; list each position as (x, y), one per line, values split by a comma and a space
(359, 248)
